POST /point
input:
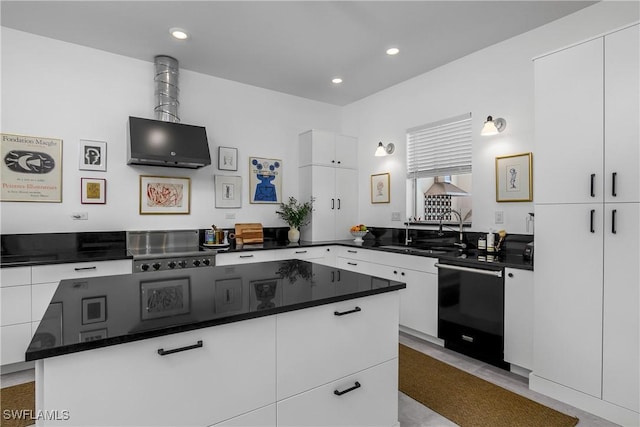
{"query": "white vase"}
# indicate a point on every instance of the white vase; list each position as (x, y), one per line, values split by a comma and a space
(293, 235)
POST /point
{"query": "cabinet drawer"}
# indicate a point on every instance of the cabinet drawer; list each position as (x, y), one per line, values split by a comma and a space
(301, 253)
(57, 272)
(373, 401)
(317, 346)
(245, 257)
(16, 304)
(15, 276)
(412, 262)
(15, 340)
(231, 374)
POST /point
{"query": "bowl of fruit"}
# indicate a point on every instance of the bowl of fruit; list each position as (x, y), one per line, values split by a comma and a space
(358, 231)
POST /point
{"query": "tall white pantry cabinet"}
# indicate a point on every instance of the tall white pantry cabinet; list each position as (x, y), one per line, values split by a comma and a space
(328, 172)
(586, 298)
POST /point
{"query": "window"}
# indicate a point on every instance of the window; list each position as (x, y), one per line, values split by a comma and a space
(439, 170)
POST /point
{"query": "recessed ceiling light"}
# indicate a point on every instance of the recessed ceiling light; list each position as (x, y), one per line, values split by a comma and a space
(336, 80)
(393, 51)
(179, 33)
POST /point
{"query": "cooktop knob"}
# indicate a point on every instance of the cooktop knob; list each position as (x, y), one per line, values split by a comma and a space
(172, 264)
(156, 266)
(144, 267)
(196, 263)
(182, 263)
(206, 262)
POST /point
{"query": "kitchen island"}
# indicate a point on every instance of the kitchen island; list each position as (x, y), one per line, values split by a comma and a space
(274, 343)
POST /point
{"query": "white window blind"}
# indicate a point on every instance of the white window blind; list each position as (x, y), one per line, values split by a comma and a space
(439, 149)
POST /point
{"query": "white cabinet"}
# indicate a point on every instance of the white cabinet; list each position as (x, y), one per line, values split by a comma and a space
(248, 257)
(518, 317)
(25, 293)
(325, 148)
(328, 173)
(190, 387)
(263, 417)
(586, 324)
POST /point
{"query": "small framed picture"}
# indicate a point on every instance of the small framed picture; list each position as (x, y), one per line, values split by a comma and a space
(164, 195)
(514, 180)
(93, 155)
(227, 159)
(380, 188)
(94, 310)
(94, 335)
(228, 191)
(93, 191)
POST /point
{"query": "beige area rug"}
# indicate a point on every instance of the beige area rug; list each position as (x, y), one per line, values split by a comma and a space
(470, 401)
(17, 405)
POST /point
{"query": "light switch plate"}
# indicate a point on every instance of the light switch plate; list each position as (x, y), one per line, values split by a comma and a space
(80, 216)
(499, 217)
(230, 216)
(395, 216)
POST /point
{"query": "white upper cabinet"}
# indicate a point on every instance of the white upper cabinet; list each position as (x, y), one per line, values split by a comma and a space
(622, 109)
(569, 125)
(324, 148)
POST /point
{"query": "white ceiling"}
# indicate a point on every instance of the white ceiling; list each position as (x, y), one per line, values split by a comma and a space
(295, 47)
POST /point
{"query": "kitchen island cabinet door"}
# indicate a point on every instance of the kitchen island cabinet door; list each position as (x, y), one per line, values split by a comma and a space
(621, 338)
(568, 296)
(232, 373)
(372, 400)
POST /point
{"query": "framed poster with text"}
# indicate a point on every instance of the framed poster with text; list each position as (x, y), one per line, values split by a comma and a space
(31, 169)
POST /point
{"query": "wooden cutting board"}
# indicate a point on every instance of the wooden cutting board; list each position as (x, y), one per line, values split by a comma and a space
(250, 232)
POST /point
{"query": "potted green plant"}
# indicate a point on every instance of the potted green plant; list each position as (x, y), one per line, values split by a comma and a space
(296, 215)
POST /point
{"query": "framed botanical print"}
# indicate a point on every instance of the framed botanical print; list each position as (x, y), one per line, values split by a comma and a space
(93, 155)
(93, 191)
(514, 178)
(165, 195)
(380, 192)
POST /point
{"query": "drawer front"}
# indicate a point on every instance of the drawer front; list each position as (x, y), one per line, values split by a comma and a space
(15, 340)
(57, 272)
(412, 262)
(263, 417)
(232, 373)
(245, 257)
(16, 304)
(316, 346)
(15, 276)
(301, 253)
(367, 398)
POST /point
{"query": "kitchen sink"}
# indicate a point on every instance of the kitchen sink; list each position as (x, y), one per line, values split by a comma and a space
(411, 250)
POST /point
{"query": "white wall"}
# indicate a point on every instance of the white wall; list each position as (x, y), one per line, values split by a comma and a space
(496, 81)
(61, 90)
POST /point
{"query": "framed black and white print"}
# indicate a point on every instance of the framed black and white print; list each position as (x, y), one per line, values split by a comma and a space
(93, 155)
(228, 191)
(227, 159)
(514, 178)
(94, 310)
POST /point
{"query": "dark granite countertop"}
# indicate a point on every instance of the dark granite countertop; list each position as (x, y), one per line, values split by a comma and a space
(96, 312)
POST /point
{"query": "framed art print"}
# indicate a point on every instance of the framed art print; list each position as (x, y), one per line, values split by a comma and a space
(227, 159)
(380, 188)
(165, 195)
(93, 191)
(228, 191)
(94, 310)
(93, 155)
(265, 180)
(514, 178)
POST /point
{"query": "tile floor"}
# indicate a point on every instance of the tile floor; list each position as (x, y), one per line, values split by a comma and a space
(414, 414)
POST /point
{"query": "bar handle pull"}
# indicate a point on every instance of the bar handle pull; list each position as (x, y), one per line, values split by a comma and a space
(614, 176)
(342, 313)
(338, 200)
(593, 185)
(246, 256)
(340, 393)
(85, 268)
(591, 220)
(301, 252)
(614, 213)
(352, 263)
(333, 204)
(163, 352)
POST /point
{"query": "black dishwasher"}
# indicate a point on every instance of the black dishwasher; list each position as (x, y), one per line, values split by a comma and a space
(471, 310)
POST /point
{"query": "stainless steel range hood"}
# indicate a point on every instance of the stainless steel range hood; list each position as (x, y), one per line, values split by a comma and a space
(442, 188)
(165, 141)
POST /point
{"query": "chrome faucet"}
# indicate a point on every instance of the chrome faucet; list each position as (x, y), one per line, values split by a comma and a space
(459, 215)
(407, 239)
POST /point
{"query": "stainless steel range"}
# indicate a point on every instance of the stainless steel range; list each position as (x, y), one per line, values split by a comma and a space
(167, 250)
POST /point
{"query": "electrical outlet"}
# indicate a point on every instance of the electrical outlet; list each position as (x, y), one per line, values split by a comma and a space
(499, 217)
(230, 216)
(80, 216)
(395, 216)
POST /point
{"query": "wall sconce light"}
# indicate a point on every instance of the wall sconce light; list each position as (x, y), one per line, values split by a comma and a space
(384, 151)
(493, 127)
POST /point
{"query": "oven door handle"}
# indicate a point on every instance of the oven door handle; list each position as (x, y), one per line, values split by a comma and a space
(469, 269)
